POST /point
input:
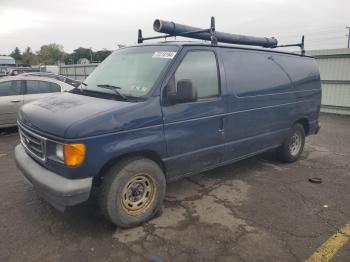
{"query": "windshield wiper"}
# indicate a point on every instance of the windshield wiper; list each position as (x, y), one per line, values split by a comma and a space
(109, 86)
(114, 89)
(78, 89)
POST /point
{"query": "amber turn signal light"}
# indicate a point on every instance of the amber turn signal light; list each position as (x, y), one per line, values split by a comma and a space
(74, 154)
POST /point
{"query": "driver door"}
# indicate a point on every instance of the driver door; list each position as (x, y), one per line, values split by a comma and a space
(194, 130)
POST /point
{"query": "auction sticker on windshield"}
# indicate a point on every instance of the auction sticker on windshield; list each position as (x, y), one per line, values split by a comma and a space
(163, 54)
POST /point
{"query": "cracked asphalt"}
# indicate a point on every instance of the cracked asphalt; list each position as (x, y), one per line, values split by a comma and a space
(254, 210)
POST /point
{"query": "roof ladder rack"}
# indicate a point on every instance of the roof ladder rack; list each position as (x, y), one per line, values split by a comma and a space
(171, 29)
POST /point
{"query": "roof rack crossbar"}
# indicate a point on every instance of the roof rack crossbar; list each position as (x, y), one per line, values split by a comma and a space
(301, 45)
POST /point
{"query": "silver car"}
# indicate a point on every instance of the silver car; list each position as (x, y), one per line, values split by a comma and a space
(18, 90)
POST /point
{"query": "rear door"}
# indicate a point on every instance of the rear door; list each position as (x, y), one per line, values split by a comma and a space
(37, 89)
(194, 130)
(11, 99)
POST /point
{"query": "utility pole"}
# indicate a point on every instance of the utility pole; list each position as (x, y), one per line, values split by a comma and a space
(348, 35)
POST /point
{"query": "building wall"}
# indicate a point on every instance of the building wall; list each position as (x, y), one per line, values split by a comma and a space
(334, 67)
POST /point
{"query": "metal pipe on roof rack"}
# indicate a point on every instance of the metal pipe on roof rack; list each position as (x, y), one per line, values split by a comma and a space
(174, 29)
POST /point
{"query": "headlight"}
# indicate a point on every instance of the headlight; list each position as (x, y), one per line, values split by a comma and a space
(59, 152)
(71, 154)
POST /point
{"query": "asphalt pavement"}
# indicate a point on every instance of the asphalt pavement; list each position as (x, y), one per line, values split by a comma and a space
(257, 209)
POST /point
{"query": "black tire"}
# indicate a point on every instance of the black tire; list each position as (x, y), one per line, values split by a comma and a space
(115, 189)
(287, 152)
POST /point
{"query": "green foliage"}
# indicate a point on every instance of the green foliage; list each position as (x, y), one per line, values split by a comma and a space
(16, 54)
(82, 52)
(101, 55)
(29, 58)
(87, 53)
(69, 59)
(51, 54)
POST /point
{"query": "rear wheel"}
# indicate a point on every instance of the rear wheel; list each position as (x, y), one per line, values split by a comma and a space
(132, 192)
(293, 146)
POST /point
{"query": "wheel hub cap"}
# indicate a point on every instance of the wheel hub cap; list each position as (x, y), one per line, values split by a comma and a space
(295, 144)
(138, 194)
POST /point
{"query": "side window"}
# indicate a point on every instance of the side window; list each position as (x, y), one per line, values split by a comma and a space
(40, 87)
(32, 87)
(255, 73)
(302, 70)
(10, 88)
(200, 67)
(48, 87)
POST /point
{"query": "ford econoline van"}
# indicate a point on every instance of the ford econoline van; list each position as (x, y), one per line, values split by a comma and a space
(153, 113)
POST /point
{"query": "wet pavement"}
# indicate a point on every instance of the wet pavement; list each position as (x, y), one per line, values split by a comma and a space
(254, 210)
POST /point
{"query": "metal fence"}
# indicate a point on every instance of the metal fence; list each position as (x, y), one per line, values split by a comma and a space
(334, 66)
(78, 72)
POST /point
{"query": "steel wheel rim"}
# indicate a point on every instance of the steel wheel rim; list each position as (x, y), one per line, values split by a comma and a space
(138, 194)
(295, 144)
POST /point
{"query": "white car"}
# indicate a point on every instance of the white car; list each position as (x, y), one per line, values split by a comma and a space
(18, 90)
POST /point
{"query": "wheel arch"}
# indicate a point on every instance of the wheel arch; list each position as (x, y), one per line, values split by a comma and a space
(148, 154)
(305, 123)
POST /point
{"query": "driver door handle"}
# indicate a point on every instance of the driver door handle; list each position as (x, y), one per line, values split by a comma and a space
(15, 101)
(221, 125)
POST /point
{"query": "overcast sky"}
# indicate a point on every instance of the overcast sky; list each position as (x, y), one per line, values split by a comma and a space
(105, 23)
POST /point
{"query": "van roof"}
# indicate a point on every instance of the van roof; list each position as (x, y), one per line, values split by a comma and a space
(206, 43)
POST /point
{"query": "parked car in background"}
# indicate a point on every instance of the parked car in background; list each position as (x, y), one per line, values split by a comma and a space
(18, 90)
(21, 70)
(2, 74)
(64, 79)
(3, 71)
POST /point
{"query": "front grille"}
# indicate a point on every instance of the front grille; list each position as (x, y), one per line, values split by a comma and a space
(34, 144)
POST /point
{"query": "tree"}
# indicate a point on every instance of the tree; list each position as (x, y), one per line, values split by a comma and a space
(70, 59)
(16, 54)
(101, 55)
(51, 54)
(29, 58)
(87, 53)
(82, 52)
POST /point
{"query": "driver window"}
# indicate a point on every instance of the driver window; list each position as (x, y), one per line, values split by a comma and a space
(200, 67)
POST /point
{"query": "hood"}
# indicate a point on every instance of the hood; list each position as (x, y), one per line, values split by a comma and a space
(76, 116)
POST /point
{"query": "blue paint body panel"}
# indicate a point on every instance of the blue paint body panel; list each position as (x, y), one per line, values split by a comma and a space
(262, 94)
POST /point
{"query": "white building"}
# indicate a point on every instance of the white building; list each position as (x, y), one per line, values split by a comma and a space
(7, 61)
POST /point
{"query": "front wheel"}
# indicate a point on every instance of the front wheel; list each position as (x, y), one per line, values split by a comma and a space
(293, 145)
(132, 192)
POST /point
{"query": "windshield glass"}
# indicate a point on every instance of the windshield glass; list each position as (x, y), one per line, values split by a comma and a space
(131, 71)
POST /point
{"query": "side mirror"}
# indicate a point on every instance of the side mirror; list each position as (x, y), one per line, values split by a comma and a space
(185, 92)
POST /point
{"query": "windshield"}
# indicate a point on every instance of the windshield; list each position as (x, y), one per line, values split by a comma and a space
(132, 72)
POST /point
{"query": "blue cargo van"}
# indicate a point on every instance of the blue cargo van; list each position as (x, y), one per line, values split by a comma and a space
(153, 113)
